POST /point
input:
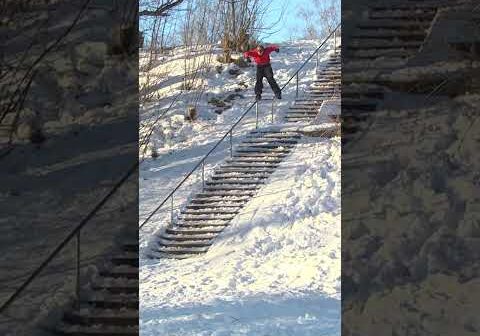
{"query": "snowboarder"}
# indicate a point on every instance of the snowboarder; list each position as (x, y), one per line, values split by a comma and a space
(261, 56)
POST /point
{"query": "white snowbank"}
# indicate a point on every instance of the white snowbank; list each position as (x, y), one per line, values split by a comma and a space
(276, 268)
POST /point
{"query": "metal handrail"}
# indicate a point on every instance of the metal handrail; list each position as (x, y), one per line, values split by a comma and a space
(74, 233)
(202, 161)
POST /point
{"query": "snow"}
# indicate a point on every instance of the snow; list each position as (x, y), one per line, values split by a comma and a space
(276, 267)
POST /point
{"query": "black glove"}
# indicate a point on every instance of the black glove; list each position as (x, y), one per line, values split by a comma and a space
(278, 49)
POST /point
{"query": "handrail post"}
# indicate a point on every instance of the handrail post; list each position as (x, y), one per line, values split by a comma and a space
(273, 105)
(171, 210)
(296, 92)
(203, 174)
(77, 280)
(231, 143)
(335, 42)
(256, 115)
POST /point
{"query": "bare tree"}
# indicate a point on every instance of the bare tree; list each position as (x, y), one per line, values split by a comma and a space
(320, 18)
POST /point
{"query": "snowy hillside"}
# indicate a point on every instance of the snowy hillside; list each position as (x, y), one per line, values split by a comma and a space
(276, 267)
(172, 132)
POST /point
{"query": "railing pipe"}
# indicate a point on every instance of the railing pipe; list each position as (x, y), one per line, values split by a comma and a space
(273, 105)
(256, 115)
(231, 143)
(77, 275)
(296, 90)
(171, 209)
(203, 174)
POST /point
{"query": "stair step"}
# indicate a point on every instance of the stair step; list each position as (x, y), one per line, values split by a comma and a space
(126, 259)
(233, 187)
(265, 145)
(226, 177)
(376, 53)
(199, 218)
(234, 181)
(214, 206)
(301, 115)
(189, 237)
(381, 44)
(406, 15)
(102, 316)
(116, 289)
(194, 231)
(198, 223)
(274, 132)
(206, 198)
(410, 35)
(210, 211)
(189, 243)
(252, 155)
(235, 193)
(388, 24)
(274, 136)
(245, 171)
(181, 250)
(263, 150)
(97, 330)
(112, 303)
(253, 160)
(129, 274)
(270, 141)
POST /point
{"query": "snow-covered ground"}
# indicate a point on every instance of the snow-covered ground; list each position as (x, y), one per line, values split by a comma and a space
(276, 268)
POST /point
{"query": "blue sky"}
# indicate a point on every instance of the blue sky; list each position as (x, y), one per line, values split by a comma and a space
(291, 24)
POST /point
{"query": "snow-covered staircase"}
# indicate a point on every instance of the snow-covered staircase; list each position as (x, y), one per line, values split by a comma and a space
(385, 40)
(232, 185)
(390, 35)
(109, 307)
(326, 86)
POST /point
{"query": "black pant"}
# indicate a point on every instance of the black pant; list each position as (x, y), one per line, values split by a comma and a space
(267, 72)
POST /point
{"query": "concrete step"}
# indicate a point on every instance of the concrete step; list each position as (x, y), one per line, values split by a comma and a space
(112, 303)
(210, 211)
(130, 259)
(270, 141)
(130, 273)
(95, 316)
(254, 160)
(194, 231)
(114, 288)
(233, 194)
(228, 177)
(168, 250)
(381, 44)
(188, 237)
(97, 330)
(184, 243)
(232, 187)
(403, 14)
(219, 205)
(252, 155)
(263, 150)
(220, 199)
(205, 223)
(398, 25)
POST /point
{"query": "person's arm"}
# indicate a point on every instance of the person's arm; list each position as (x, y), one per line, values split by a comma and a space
(249, 53)
(272, 48)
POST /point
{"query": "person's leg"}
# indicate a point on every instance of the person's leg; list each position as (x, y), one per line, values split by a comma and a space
(272, 82)
(259, 83)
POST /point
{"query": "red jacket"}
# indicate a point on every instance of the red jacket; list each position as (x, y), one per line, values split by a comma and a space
(264, 58)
